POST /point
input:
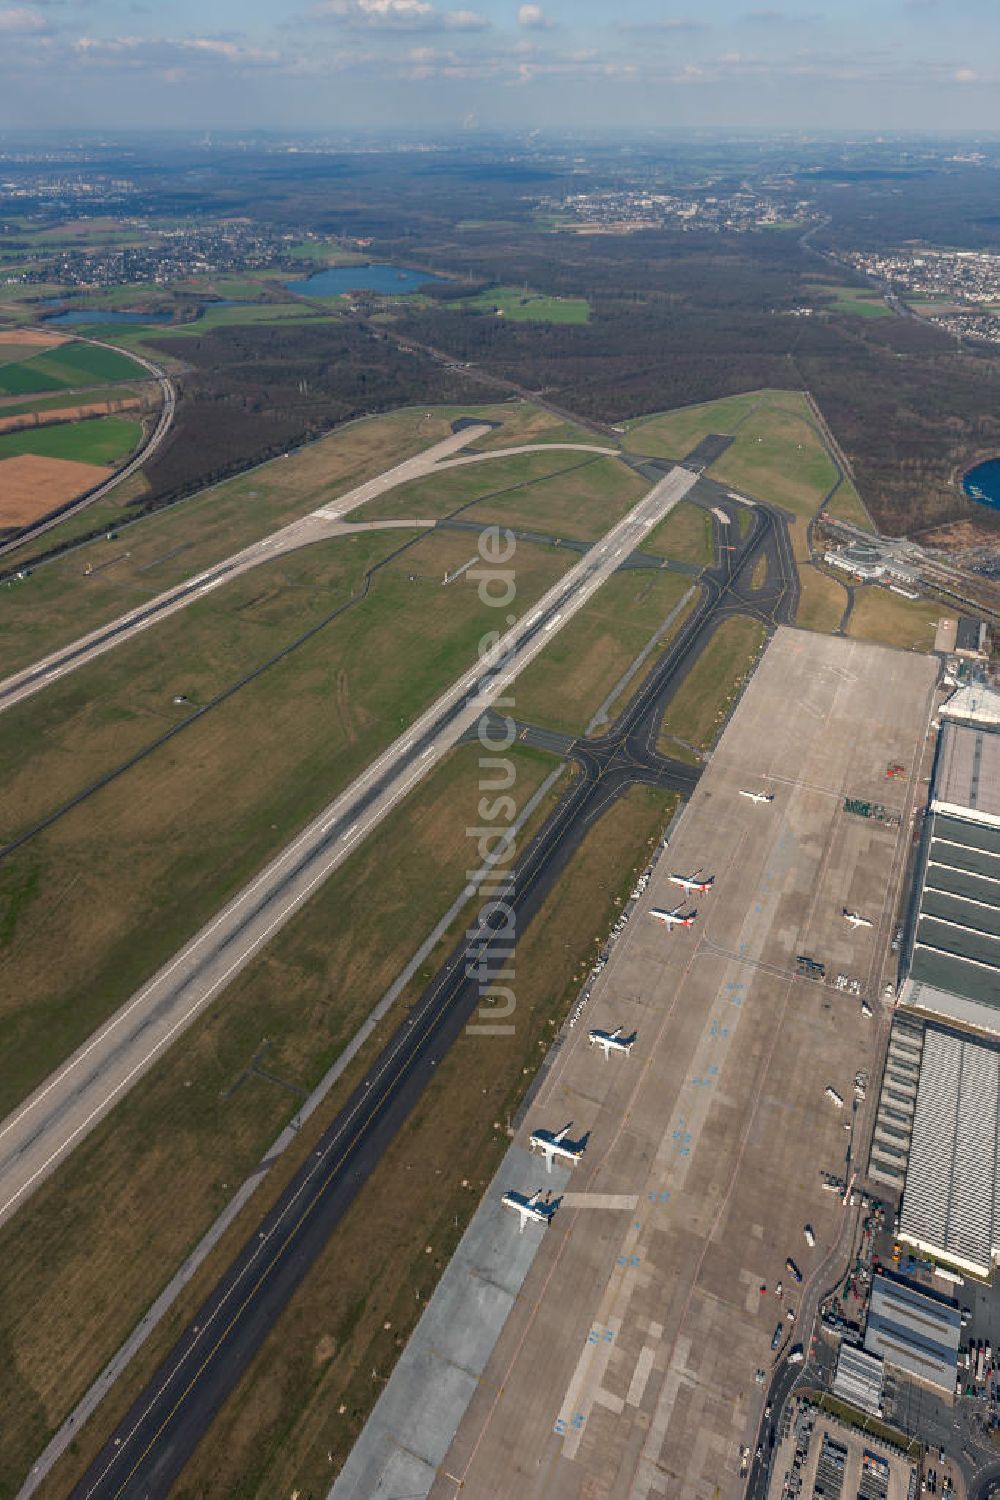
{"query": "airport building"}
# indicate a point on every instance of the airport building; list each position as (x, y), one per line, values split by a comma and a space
(953, 946)
(915, 1333)
(951, 1203)
(859, 1379)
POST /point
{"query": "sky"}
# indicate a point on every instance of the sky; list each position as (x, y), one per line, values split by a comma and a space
(442, 65)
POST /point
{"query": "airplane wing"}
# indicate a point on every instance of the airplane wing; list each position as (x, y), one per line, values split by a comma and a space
(530, 1202)
(561, 1135)
(617, 1032)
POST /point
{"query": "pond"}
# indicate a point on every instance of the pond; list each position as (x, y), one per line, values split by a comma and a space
(76, 315)
(982, 483)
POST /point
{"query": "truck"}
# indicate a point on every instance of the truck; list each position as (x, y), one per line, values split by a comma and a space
(776, 1336)
(796, 1354)
(831, 1093)
(807, 1230)
(793, 1269)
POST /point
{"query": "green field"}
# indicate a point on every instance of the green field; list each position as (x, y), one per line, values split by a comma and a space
(89, 1252)
(564, 687)
(53, 403)
(122, 874)
(893, 620)
(72, 365)
(308, 1392)
(698, 710)
(91, 440)
(58, 602)
(529, 307)
(673, 434)
(686, 535)
(850, 301)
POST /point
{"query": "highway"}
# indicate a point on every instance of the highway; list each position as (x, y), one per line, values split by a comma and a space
(67, 1105)
(146, 1453)
(164, 422)
(317, 526)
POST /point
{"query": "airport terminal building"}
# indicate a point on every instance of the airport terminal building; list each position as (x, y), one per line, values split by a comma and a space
(953, 949)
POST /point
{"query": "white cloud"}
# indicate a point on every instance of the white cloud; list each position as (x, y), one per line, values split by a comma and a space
(533, 18)
(966, 75)
(21, 20)
(400, 15)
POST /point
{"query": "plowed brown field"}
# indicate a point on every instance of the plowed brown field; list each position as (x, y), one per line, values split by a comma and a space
(31, 486)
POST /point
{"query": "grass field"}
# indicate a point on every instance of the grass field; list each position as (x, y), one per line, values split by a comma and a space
(70, 365)
(131, 873)
(519, 306)
(698, 709)
(567, 684)
(686, 535)
(96, 440)
(14, 408)
(822, 600)
(83, 1260)
(850, 301)
(58, 603)
(673, 434)
(893, 620)
(846, 505)
(310, 1388)
(778, 456)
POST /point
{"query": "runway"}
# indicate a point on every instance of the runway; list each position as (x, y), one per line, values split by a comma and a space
(325, 522)
(148, 1450)
(36, 1137)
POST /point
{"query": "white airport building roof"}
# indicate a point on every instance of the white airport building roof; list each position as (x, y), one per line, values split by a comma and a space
(950, 1204)
(916, 1333)
(859, 1379)
(975, 703)
(967, 776)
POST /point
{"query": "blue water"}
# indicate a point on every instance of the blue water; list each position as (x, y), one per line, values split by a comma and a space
(107, 315)
(390, 280)
(982, 483)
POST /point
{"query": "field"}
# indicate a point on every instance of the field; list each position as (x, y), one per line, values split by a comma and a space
(567, 684)
(71, 365)
(59, 603)
(44, 415)
(778, 456)
(822, 600)
(97, 440)
(850, 301)
(307, 1393)
(123, 874)
(846, 505)
(881, 616)
(686, 535)
(31, 486)
(698, 709)
(521, 306)
(91, 1250)
(673, 434)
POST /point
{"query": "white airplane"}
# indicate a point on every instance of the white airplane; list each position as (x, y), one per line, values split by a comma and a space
(554, 1145)
(613, 1041)
(758, 796)
(855, 919)
(693, 882)
(535, 1210)
(674, 918)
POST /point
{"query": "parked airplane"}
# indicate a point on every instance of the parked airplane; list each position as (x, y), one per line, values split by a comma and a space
(855, 919)
(554, 1145)
(693, 882)
(613, 1041)
(535, 1210)
(674, 918)
(758, 796)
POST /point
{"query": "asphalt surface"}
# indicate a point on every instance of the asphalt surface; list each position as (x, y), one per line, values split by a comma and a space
(73, 1099)
(147, 1452)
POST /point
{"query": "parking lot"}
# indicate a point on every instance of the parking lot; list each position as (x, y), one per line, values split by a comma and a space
(627, 1365)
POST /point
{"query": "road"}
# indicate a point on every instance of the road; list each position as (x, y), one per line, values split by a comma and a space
(145, 1454)
(164, 422)
(67, 1105)
(317, 526)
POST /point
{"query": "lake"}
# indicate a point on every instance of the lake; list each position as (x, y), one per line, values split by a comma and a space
(389, 280)
(107, 315)
(982, 483)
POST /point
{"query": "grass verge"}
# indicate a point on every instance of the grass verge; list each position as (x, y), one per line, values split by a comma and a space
(698, 710)
(880, 616)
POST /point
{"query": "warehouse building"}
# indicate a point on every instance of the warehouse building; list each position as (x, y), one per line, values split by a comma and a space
(953, 947)
(859, 1379)
(950, 1205)
(915, 1333)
